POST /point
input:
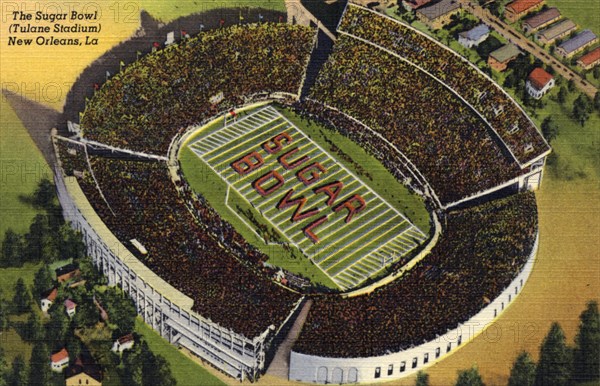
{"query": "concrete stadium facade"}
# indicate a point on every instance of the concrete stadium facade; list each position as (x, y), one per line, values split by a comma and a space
(163, 307)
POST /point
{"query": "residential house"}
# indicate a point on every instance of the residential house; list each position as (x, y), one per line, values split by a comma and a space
(541, 20)
(47, 299)
(125, 342)
(59, 360)
(70, 307)
(438, 15)
(84, 372)
(556, 31)
(519, 8)
(411, 5)
(474, 36)
(590, 60)
(538, 83)
(500, 58)
(67, 272)
(576, 44)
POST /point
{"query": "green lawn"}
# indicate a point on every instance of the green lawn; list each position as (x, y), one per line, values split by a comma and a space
(21, 168)
(577, 147)
(585, 13)
(10, 275)
(171, 10)
(10, 340)
(185, 370)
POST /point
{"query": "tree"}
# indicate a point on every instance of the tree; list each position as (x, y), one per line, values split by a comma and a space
(71, 244)
(39, 242)
(12, 249)
(549, 128)
(3, 368)
(22, 299)
(571, 85)
(121, 310)
(132, 361)
(469, 377)
(582, 109)
(42, 281)
(587, 345)
(87, 314)
(18, 372)
(58, 326)
(44, 195)
(562, 95)
(90, 273)
(3, 314)
(597, 99)
(162, 374)
(39, 364)
(422, 379)
(596, 72)
(487, 46)
(73, 347)
(523, 371)
(33, 328)
(554, 366)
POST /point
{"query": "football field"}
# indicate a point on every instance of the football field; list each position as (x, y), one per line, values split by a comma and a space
(318, 205)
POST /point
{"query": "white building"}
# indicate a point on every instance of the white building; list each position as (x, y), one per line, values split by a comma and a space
(474, 36)
(48, 299)
(59, 361)
(539, 82)
(123, 343)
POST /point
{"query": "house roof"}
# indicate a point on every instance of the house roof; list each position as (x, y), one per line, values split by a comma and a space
(523, 5)
(50, 294)
(69, 304)
(581, 39)
(590, 57)
(476, 32)
(125, 338)
(506, 52)
(85, 364)
(539, 78)
(59, 356)
(66, 269)
(543, 17)
(436, 10)
(557, 29)
(414, 4)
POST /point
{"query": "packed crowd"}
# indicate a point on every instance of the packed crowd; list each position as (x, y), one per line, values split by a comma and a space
(448, 143)
(515, 129)
(219, 229)
(480, 252)
(382, 151)
(153, 99)
(72, 156)
(148, 208)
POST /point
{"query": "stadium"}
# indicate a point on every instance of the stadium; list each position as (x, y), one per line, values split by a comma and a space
(231, 181)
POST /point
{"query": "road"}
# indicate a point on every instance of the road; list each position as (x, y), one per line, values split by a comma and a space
(517, 38)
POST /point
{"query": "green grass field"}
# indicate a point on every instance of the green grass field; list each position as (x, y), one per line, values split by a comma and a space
(10, 341)
(167, 10)
(185, 370)
(21, 168)
(214, 189)
(331, 257)
(585, 13)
